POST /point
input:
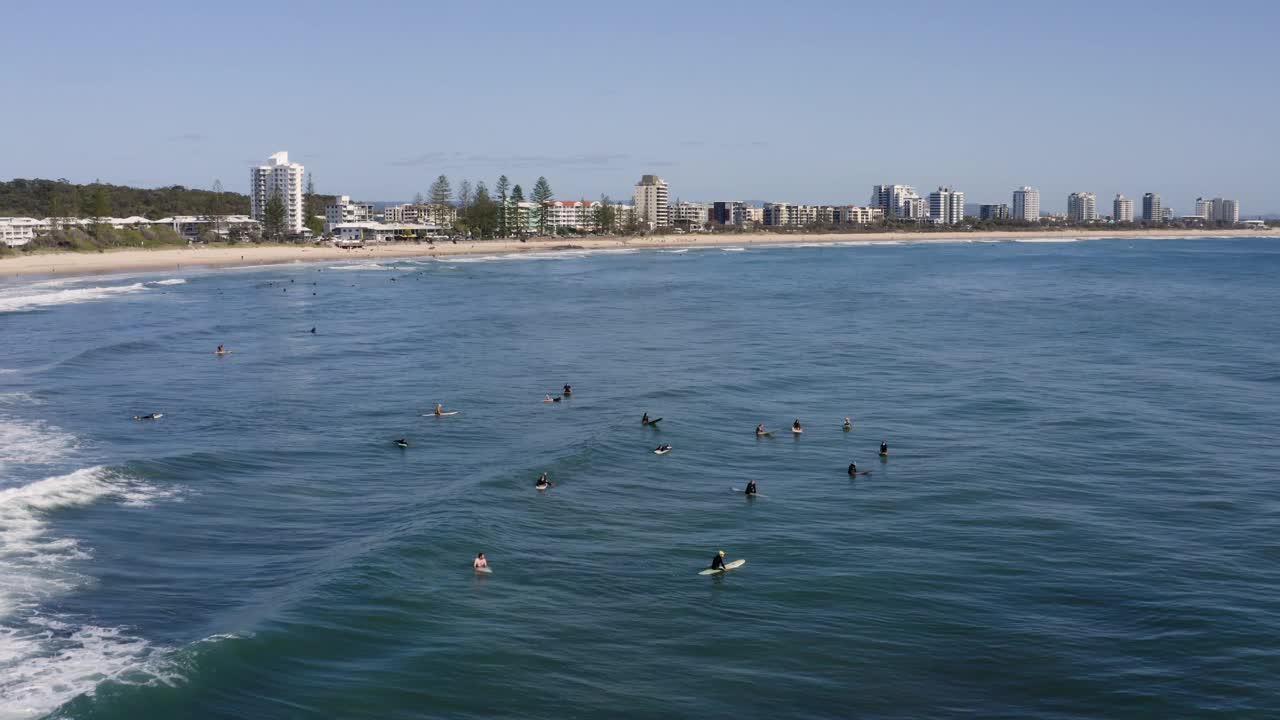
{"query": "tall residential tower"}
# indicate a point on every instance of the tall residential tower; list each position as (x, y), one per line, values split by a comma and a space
(283, 177)
(1122, 209)
(1151, 210)
(1026, 204)
(1082, 207)
(651, 201)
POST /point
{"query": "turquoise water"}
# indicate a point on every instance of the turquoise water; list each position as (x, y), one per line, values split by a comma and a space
(1077, 519)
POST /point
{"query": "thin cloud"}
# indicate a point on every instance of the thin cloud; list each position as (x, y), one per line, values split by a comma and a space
(191, 137)
(472, 160)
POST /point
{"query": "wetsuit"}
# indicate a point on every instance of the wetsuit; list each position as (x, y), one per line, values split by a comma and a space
(645, 420)
(717, 563)
(884, 448)
(853, 468)
(751, 488)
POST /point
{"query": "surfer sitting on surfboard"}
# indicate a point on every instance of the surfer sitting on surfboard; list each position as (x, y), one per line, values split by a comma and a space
(480, 563)
(884, 448)
(542, 483)
(751, 487)
(760, 430)
(717, 562)
(795, 426)
(848, 425)
(439, 409)
(568, 390)
(220, 351)
(645, 420)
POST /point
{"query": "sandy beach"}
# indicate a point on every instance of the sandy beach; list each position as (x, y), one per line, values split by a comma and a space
(60, 263)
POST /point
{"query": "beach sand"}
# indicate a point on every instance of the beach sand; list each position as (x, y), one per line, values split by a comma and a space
(125, 260)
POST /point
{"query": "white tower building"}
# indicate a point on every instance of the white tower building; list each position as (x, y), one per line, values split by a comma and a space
(278, 176)
(1082, 207)
(1026, 204)
(1122, 209)
(946, 206)
(651, 201)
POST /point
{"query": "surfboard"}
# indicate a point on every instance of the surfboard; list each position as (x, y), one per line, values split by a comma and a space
(727, 566)
(795, 431)
(847, 428)
(765, 434)
(654, 422)
(884, 454)
(484, 570)
(661, 451)
(861, 472)
(451, 413)
(743, 491)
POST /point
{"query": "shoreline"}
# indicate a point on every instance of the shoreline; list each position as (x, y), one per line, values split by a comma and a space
(126, 260)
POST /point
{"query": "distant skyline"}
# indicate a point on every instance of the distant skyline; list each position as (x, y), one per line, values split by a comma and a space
(812, 105)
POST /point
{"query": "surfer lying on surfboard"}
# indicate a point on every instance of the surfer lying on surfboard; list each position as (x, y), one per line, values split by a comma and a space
(853, 470)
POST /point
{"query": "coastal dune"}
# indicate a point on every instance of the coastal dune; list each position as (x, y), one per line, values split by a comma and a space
(124, 260)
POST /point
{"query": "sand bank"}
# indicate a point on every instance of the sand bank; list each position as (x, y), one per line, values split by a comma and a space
(115, 261)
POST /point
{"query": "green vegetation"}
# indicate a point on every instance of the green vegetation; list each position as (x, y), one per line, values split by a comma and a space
(542, 194)
(273, 220)
(59, 198)
(103, 237)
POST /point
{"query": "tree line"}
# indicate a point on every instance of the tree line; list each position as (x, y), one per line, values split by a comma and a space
(480, 212)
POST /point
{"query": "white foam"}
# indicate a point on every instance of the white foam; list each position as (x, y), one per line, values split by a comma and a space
(675, 252)
(47, 660)
(31, 442)
(734, 249)
(361, 266)
(22, 298)
(1046, 240)
(171, 281)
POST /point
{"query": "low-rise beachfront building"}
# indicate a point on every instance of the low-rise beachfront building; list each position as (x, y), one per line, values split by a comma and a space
(856, 215)
(788, 215)
(419, 214)
(346, 211)
(691, 215)
(380, 232)
(579, 215)
(18, 231)
(192, 227)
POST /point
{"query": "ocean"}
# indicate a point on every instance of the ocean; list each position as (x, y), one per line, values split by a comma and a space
(1077, 517)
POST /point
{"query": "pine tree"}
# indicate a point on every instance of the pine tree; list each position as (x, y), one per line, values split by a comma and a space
(542, 195)
(440, 193)
(606, 216)
(517, 225)
(503, 188)
(273, 217)
(465, 195)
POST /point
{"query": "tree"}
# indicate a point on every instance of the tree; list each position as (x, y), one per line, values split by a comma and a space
(516, 225)
(440, 195)
(99, 210)
(418, 199)
(273, 218)
(213, 208)
(503, 188)
(606, 218)
(542, 195)
(482, 215)
(465, 194)
(56, 210)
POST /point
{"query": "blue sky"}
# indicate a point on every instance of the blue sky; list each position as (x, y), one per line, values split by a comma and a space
(798, 102)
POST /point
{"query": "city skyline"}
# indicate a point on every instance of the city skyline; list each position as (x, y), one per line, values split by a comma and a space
(638, 107)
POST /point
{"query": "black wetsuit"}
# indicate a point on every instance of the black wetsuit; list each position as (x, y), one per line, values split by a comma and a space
(751, 488)
(884, 448)
(853, 468)
(645, 420)
(717, 563)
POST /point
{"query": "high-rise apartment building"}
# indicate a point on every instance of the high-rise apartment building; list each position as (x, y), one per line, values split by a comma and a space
(993, 212)
(651, 201)
(278, 176)
(1218, 210)
(1122, 209)
(946, 206)
(1151, 208)
(1026, 204)
(1082, 207)
(899, 202)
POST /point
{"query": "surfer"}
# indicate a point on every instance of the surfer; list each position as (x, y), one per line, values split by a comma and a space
(547, 398)
(717, 562)
(751, 488)
(760, 430)
(439, 409)
(795, 426)
(853, 469)
(848, 424)
(220, 351)
(313, 330)
(402, 443)
(542, 483)
(568, 390)
(884, 449)
(662, 449)
(152, 416)
(480, 563)
(645, 420)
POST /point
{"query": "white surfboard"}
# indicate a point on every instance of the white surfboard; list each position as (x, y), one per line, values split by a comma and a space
(727, 566)
(484, 570)
(795, 431)
(663, 451)
(448, 414)
(743, 491)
